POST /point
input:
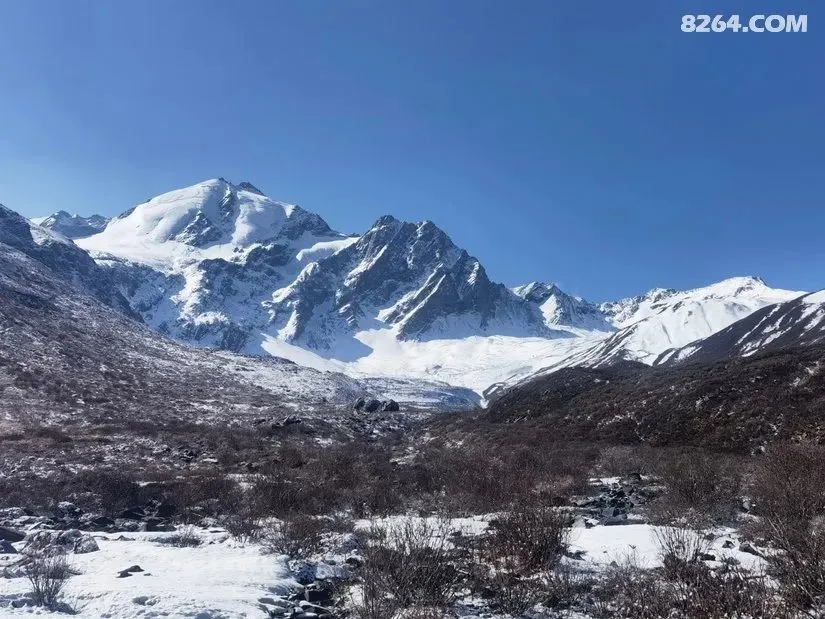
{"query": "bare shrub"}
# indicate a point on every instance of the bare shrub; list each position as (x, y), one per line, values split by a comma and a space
(632, 592)
(623, 460)
(185, 537)
(47, 574)
(530, 538)
(680, 550)
(513, 595)
(296, 536)
(700, 488)
(243, 525)
(565, 586)
(789, 490)
(628, 590)
(409, 563)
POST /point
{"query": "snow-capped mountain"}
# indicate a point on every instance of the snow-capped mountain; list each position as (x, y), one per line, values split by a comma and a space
(199, 263)
(662, 319)
(800, 321)
(72, 226)
(223, 265)
(650, 324)
(72, 343)
(563, 310)
(410, 277)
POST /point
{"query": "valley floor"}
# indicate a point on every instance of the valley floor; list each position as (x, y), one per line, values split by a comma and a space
(224, 579)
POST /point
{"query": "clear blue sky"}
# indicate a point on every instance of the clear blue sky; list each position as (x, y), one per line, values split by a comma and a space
(593, 144)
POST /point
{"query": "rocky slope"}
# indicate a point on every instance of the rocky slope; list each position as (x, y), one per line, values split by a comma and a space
(739, 404)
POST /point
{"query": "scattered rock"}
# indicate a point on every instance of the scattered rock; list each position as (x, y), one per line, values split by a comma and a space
(303, 571)
(85, 544)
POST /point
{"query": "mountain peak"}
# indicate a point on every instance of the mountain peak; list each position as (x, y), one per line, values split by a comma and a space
(211, 219)
(247, 186)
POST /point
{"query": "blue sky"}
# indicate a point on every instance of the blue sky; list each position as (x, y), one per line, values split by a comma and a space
(593, 144)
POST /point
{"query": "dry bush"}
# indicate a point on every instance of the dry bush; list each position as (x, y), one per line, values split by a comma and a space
(297, 536)
(632, 592)
(47, 574)
(275, 494)
(789, 491)
(623, 460)
(352, 476)
(701, 488)
(513, 595)
(680, 549)
(408, 564)
(185, 537)
(529, 538)
(242, 523)
(505, 469)
(627, 590)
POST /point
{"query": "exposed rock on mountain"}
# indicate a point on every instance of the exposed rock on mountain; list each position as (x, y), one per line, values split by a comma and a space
(62, 257)
(563, 310)
(407, 276)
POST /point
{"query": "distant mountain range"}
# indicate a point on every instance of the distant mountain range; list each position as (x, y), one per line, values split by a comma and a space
(221, 265)
(72, 226)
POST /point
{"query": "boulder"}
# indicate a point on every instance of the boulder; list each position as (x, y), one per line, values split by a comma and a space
(390, 406)
(11, 535)
(85, 544)
(372, 405)
(359, 404)
(6, 548)
(54, 542)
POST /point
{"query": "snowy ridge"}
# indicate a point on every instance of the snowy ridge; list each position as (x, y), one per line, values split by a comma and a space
(72, 226)
(800, 321)
(563, 310)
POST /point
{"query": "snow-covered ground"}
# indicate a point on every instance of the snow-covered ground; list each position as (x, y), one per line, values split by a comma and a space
(221, 579)
(217, 580)
(473, 362)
